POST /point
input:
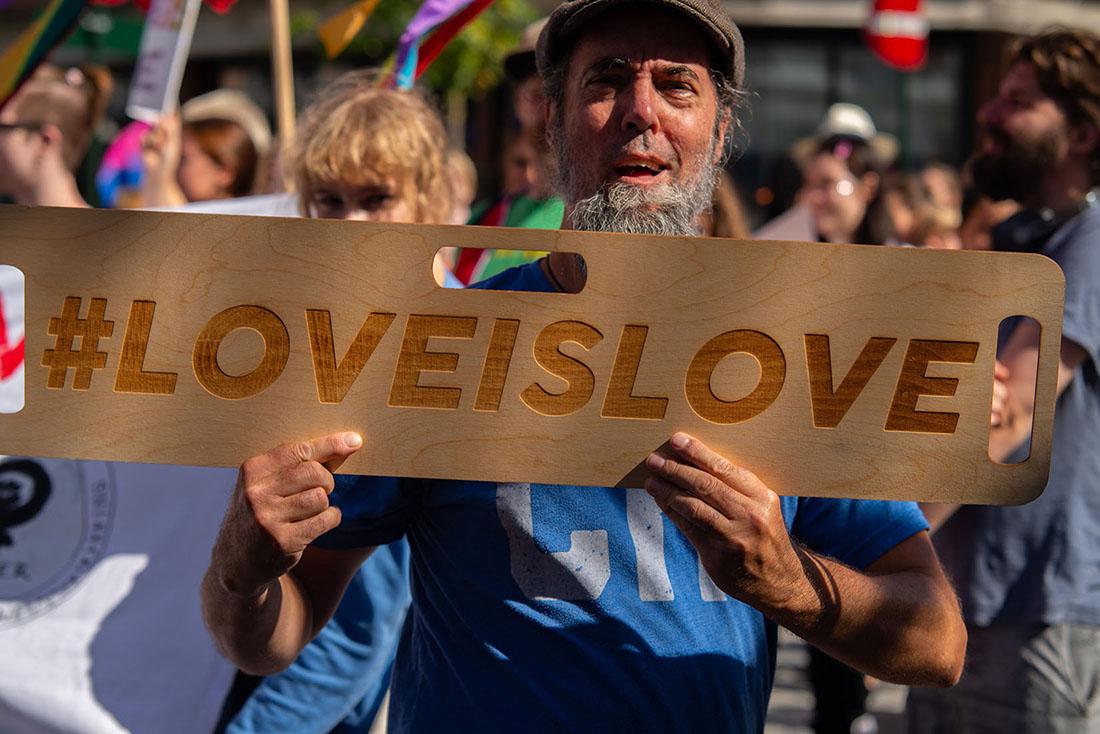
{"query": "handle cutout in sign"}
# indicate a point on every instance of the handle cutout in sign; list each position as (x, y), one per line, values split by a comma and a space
(1005, 444)
(456, 267)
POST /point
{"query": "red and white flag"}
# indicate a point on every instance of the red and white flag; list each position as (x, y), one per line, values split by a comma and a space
(897, 32)
(11, 339)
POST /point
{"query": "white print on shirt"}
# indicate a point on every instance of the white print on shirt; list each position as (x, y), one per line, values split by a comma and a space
(583, 571)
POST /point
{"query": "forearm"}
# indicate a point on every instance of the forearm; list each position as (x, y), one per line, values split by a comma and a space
(902, 627)
(260, 631)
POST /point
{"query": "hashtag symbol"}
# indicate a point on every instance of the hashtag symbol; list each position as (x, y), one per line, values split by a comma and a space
(62, 357)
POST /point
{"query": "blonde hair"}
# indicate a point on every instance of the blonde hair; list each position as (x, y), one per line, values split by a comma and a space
(72, 100)
(355, 126)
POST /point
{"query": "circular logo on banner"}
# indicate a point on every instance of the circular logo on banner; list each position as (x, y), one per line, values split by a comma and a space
(55, 521)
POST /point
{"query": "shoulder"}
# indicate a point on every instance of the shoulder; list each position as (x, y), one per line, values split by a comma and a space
(528, 277)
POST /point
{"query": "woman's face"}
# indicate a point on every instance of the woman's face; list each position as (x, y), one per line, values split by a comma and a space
(375, 199)
(837, 199)
(199, 176)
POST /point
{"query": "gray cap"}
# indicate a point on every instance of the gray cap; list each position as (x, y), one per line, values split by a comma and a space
(569, 19)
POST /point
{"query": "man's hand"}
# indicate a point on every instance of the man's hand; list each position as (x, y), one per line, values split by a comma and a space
(280, 506)
(731, 517)
(999, 409)
(898, 620)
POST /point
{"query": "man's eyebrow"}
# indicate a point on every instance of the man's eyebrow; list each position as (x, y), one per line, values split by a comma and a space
(679, 70)
(608, 63)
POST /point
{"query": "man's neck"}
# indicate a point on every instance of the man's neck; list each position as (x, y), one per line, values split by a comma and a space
(53, 188)
(1063, 191)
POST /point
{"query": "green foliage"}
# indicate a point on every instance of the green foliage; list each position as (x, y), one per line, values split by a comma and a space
(471, 64)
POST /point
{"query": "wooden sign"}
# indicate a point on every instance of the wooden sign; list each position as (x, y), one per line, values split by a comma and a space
(828, 370)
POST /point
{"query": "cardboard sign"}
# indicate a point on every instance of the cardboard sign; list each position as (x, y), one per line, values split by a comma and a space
(165, 44)
(828, 370)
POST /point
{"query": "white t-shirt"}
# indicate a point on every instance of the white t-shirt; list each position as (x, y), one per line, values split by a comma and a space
(100, 624)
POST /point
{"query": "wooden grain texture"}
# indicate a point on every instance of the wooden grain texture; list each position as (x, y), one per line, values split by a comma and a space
(828, 370)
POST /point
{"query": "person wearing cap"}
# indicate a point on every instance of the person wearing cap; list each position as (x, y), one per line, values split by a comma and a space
(551, 608)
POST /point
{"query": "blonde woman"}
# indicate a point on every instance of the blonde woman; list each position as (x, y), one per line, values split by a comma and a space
(361, 153)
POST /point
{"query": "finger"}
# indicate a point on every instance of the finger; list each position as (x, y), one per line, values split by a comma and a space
(691, 515)
(697, 482)
(698, 453)
(330, 450)
(303, 477)
(304, 505)
(314, 527)
(1000, 371)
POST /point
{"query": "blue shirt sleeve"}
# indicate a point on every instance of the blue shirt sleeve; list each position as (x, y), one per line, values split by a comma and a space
(855, 532)
(1078, 254)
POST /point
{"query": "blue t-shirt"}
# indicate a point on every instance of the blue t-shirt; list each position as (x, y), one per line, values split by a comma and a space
(552, 608)
(1040, 563)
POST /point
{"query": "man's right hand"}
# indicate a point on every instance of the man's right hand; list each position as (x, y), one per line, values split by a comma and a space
(280, 505)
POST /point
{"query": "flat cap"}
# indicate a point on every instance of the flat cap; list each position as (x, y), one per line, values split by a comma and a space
(568, 20)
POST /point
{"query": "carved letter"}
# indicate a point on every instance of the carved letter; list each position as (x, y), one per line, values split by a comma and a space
(415, 358)
(131, 377)
(620, 401)
(497, 360)
(830, 407)
(333, 382)
(204, 358)
(914, 382)
(581, 381)
(773, 371)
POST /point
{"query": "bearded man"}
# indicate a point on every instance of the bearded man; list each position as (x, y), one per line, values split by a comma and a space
(1029, 577)
(549, 608)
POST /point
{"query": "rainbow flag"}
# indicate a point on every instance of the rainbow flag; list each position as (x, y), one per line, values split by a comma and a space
(21, 58)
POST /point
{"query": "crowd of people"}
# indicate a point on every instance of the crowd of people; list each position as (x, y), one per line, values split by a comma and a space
(475, 606)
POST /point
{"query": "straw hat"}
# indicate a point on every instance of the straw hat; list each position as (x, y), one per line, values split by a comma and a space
(847, 120)
(229, 104)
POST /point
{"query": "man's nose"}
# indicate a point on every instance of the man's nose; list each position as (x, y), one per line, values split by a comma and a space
(640, 113)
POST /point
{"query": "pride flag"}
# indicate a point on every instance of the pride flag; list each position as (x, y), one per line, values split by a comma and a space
(21, 58)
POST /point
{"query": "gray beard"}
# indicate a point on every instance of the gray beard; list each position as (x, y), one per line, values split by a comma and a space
(671, 209)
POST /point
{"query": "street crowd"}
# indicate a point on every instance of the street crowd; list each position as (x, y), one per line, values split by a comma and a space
(290, 597)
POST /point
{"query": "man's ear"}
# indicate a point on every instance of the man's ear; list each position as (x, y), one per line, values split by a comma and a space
(720, 143)
(50, 137)
(549, 110)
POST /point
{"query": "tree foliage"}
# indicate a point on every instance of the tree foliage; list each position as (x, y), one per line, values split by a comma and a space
(471, 63)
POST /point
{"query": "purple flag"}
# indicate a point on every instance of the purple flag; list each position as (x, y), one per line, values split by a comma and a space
(431, 14)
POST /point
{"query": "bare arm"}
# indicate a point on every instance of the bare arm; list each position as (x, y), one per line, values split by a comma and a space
(898, 621)
(1014, 400)
(266, 593)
